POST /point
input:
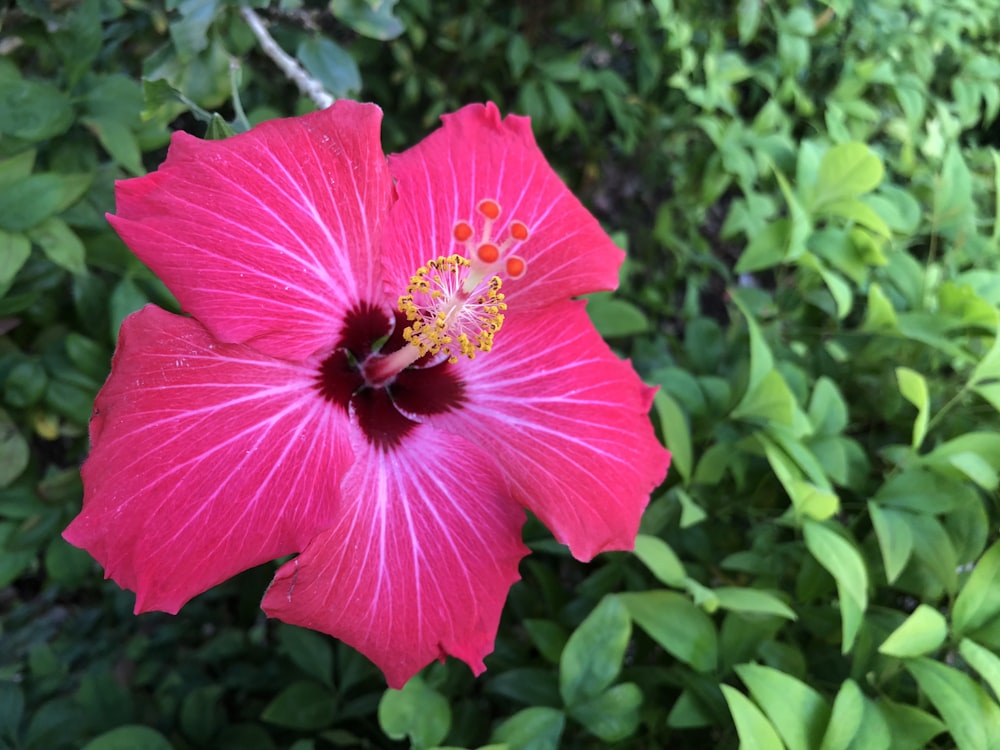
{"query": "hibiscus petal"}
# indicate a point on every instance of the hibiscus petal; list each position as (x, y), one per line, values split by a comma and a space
(207, 459)
(419, 562)
(269, 236)
(477, 155)
(568, 422)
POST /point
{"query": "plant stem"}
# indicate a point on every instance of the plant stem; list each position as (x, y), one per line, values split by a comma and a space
(308, 85)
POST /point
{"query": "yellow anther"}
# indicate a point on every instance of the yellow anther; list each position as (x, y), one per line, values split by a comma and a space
(444, 317)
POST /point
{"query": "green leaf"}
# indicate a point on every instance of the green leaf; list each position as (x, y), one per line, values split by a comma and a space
(33, 110)
(913, 386)
(303, 705)
(754, 730)
(983, 661)
(371, 18)
(973, 718)
(895, 540)
(60, 244)
(691, 513)
(417, 711)
(14, 451)
(615, 317)
(797, 711)
(847, 567)
(921, 633)
(130, 737)
(331, 64)
(30, 201)
(592, 658)
(11, 708)
(676, 433)
(310, 651)
(14, 252)
(979, 600)
(613, 715)
(752, 601)
(118, 140)
(765, 249)
(659, 557)
(679, 626)
(536, 728)
(845, 719)
(846, 171)
(218, 129)
(909, 727)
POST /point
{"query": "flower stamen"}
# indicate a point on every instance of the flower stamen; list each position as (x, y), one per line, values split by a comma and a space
(444, 317)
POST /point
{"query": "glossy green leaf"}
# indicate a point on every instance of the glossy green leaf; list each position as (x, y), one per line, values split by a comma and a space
(921, 633)
(311, 652)
(14, 251)
(30, 201)
(680, 627)
(913, 386)
(375, 20)
(13, 450)
(592, 658)
(615, 317)
(846, 170)
(845, 718)
(984, 661)
(33, 110)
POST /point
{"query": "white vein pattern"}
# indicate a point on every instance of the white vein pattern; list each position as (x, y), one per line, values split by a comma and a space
(558, 414)
(222, 457)
(260, 244)
(420, 562)
(567, 253)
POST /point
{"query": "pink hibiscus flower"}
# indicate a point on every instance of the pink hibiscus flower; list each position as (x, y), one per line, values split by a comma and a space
(382, 367)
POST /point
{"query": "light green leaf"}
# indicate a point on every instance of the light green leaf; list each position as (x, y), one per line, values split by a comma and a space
(765, 249)
(592, 658)
(846, 171)
(754, 730)
(913, 386)
(973, 718)
(691, 513)
(658, 556)
(910, 728)
(983, 661)
(921, 633)
(979, 600)
(847, 567)
(676, 433)
(673, 621)
(846, 717)
(797, 711)
(752, 601)
(118, 140)
(418, 711)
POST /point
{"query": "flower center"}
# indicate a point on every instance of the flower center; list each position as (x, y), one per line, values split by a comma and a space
(453, 305)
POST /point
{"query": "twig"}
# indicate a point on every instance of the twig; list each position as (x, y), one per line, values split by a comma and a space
(308, 85)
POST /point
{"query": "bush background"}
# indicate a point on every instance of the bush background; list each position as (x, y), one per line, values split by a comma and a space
(809, 197)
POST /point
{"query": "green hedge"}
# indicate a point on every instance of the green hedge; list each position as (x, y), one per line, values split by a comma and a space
(810, 197)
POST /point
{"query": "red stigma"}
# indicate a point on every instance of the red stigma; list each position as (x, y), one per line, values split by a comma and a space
(488, 252)
(519, 230)
(489, 209)
(462, 231)
(516, 267)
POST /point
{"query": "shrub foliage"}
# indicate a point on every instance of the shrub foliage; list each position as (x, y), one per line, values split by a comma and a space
(810, 197)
